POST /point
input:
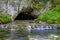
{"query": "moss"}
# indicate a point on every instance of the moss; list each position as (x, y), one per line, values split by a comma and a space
(50, 16)
(5, 18)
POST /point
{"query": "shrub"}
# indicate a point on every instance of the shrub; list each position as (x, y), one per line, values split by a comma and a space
(5, 18)
(51, 16)
(37, 4)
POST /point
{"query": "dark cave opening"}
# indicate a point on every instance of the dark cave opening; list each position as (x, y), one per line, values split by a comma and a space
(24, 16)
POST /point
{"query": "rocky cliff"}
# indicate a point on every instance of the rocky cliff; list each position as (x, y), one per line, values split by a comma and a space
(14, 7)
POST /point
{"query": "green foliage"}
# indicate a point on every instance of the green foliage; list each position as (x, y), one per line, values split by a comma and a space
(37, 4)
(51, 16)
(5, 18)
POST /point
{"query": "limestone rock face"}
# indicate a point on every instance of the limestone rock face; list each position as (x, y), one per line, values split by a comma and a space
(14, 7)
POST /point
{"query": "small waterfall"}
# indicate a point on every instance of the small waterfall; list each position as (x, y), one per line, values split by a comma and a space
(41, 27)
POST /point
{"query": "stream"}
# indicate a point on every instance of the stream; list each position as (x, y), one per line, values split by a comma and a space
(41, 34)
(38, 32)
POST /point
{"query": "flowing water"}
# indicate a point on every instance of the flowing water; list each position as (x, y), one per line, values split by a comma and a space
(37, 34)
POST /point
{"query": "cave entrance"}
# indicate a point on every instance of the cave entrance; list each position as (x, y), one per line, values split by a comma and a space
(24, 16)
